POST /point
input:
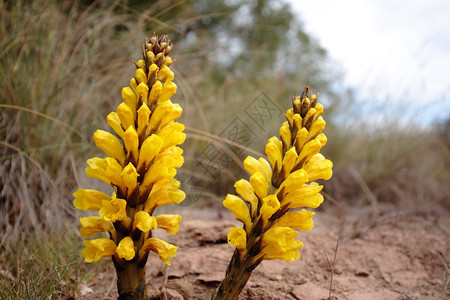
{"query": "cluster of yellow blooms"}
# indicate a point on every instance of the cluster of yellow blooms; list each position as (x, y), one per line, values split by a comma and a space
(274, 189)
(141, 163)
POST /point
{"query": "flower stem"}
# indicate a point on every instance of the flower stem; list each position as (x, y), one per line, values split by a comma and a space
(131, 283)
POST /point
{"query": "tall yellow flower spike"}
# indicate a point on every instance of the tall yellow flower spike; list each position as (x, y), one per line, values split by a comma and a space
(141, 163)
(274, 188)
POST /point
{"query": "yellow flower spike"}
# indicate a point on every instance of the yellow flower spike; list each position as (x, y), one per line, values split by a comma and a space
(154, 92)
(125, 249)
(98, 248)
(289, 160)
(131, 142)
(259, 184)
(110, 145)
(317, 127)
(170, 223)
(293, 181)
(113, 120)
(269, 207)
(172, 134)
(125, 115)
(164, 250)
(165, 74)
(238, 207)
(285, 135)
(143, 118)
(133, 85)
(149, 149)
(87, 199)
(144, 222)
(302, 220)
(245, 190)
(168, 90)
(237, 237)
(92, 225)
(306, 196)
(129, 178)
(129, 97)
(113, 210)
(142, 92)
(319, 168)
(141, 64)
(140, 76)
(274, 151)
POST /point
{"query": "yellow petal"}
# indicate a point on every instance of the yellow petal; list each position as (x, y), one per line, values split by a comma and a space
(245, 190)
(154, 92)
(306, 196)
(285, 135)
(165, 74)
(297, 219)
(140, 76)
(309, 149)
(168, 90)
(319, 168)
(172, 134)
(169, 222)
(316, 128)
(125, 249)
(142, 92)
(269, 207)
(114, 121)
(129, 177)
(301, 138)
(164, 113)
(129, 97)
(131, 142)
(279, 243)
(86, 199)
(133, 85)
(294, 181)
(149, 149)
(252, 166)
(106, 169)
(144, 222)
(141, 64)
(164, 191)
(164, 250)
(98, 248)
(113, 210)
(92, 225)
(274, 150)
(143, 118)
(110, 145)
(125, 115)
(259, 184)
(237, 237)
(290, 116)
(238, 207)
(289, 160)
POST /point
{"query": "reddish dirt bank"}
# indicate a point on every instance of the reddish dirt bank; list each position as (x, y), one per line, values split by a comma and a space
(386, 253)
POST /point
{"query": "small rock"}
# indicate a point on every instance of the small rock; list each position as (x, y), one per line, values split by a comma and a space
(362, 273)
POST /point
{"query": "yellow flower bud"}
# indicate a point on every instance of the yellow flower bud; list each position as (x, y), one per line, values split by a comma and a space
(129, 177)
(168, 90)
(125, 115)
(141, 64)
(129, 97)
(125, 249)
(269, 207)
(143, 118)
(140, 76)
(289, 161)
(259, 184)
(131, 142)
(305, 196)
(237, 237)
(165, 74)
(238, 207)
(87, 199)
(110, 145)
(245, 190)
(172, 134)
(149, 149)
(285, 134)
(114, 121)
(317, 127)
(274, 150)
(154, 92)
(142, 92)
(293, 181)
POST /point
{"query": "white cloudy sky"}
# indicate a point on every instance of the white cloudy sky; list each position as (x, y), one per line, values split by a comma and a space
(394, 51)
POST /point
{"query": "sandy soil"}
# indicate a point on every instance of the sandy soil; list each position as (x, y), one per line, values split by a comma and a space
(385, 252)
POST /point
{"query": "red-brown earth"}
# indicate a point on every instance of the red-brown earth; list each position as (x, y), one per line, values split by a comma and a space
(386, 252)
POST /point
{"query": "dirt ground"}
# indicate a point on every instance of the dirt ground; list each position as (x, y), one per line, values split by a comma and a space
(385, 252)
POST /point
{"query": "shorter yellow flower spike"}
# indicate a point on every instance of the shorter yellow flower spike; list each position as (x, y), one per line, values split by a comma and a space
(237, 237)
(87, 199)
(164, 250)
(172, 135)
(129, 177)
(319, 168)
(110, 145)
(129, 97)
(279, 243)
(113, 210)
(306, 196)
(144, 222)
(98, 248)
(168, 90)
(125, 249)
(140, 76)
(154, 92)
(245, 190)
(169, 222)
(131, 142)
(269, 207)
(258, 182)
(142, 92)
(92, 225)
(143, 118)
(302, 220)
(125, 115)
(114, 121)
(149, 149)
(238, 207)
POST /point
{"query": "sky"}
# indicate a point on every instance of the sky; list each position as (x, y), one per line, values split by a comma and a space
(395, 52)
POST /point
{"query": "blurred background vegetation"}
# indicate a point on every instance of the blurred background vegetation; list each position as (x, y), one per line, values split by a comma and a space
(64, 63)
